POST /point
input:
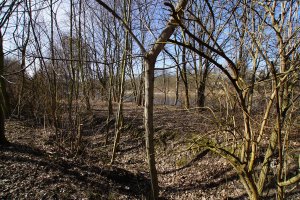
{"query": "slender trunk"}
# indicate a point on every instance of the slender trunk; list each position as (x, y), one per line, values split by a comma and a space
(79, 136)
(21, 89)
(110, 107)
(110, 86)
(82, 48)
(202, 87)
(252, 83)
(241, 64)
(23, 63)
(176, 87)
(85, 67)
(140, 98)
(185, 79)
(3, 139)
(119, 118)
(266, 163)
(133, 84)
(71, 69)
(116, 88)
(164, 83)
(54, 81)
(148, 119)
(132, 77)
(150, 58)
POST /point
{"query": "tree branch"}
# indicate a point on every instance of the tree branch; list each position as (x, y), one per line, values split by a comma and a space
(104, 5)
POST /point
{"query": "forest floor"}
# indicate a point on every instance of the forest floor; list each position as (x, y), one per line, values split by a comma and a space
(37, 166)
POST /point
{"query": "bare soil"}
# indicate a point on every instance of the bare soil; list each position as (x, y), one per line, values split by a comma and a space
(39, 166)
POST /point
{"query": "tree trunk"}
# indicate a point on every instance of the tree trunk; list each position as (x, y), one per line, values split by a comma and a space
(140, 97)
(150, 60)
(148, 117)
(110, 106)
(3, 139)
(177, 87)
(201, 95)
(23, 63)
(266, 163)
(119, 117)
(71, 69)
(54, 80)
(3, 96)
(185, 79)
(202, 86)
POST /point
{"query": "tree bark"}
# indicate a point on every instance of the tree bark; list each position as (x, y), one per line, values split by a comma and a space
(202, 86)
(177, 87)
(185, 79)
(3, 96)
(148, 118)
(53, 86)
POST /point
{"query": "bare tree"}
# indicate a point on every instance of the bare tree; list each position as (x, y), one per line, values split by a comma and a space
(3, 96)
(150, 60)
(281, 69)
(119, 117)
(6, 10)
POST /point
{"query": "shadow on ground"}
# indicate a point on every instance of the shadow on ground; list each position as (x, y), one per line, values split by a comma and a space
(102, 179)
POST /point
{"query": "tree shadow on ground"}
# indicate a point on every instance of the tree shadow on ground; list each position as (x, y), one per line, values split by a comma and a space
(101, 179)
(293, 195)
(189, 164)
(21, 148)
(205, 184)
(219, 179)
